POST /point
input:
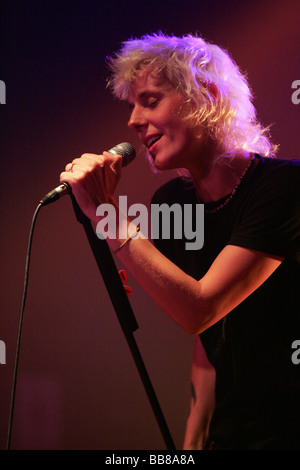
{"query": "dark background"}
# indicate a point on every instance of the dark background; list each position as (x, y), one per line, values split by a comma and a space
(77, 386)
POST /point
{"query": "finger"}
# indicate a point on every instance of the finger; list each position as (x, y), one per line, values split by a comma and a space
(87, 159)
(69, 167)
(71, 176)
(111, 157)
(92, 157)
(90, 160)
(116, 166)
(114, 161)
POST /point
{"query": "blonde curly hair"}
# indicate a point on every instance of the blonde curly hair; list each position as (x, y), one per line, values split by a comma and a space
(217, 94)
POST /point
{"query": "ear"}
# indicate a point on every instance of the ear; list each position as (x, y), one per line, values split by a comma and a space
(212, 87)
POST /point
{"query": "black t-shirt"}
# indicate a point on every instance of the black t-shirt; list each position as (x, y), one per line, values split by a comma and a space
(257, 383)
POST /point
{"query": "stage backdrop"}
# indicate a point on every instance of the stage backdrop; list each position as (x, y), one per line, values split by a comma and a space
(77, 384)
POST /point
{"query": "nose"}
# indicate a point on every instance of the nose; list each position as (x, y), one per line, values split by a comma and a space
(137, 118)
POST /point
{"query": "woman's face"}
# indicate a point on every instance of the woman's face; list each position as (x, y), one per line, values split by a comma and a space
(156, 115)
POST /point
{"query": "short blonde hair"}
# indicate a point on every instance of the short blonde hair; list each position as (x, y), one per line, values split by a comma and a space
(196, 68)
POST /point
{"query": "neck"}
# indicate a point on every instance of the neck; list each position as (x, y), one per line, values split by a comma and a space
(220, 177)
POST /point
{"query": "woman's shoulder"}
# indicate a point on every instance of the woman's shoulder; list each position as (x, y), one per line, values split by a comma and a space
(279, 174)
(284, 165)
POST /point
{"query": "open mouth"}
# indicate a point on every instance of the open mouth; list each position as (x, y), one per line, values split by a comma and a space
(151, 141)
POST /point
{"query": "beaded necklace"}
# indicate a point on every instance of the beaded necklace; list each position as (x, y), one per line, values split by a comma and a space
(230, 196)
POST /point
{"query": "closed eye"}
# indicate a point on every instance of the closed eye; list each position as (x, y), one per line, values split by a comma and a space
(152, 104)
(150, 99)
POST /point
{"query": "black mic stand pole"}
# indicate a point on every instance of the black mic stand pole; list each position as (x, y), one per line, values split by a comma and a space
(123, 310)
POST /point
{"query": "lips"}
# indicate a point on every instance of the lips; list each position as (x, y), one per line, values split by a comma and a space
(151, 140)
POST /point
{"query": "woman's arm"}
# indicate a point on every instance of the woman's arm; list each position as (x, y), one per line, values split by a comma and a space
(202, 401)
(194, 305)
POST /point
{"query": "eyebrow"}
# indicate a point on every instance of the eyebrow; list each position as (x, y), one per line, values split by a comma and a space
(147, 93)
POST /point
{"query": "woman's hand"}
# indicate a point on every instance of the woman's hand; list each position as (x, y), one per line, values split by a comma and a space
(93, 179)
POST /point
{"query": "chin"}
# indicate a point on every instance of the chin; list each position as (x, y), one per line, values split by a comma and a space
(164, 163)
(162, 166)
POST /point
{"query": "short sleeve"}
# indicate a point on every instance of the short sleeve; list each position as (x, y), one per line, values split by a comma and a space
(270, 221)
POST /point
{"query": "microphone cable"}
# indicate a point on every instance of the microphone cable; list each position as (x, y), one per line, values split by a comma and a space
(155, 405)
(127, 151)
(15, 371)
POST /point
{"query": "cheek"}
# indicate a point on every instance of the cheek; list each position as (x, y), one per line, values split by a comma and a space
(175, 127)
(173, 116)
(181, 133)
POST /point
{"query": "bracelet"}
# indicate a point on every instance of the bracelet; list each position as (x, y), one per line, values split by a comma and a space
(128, 239)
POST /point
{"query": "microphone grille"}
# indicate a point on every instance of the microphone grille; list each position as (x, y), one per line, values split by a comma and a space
(126, 150)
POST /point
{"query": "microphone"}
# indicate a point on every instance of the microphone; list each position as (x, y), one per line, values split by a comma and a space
(125, 149)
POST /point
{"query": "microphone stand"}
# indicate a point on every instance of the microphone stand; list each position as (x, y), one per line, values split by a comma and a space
(123, 310)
